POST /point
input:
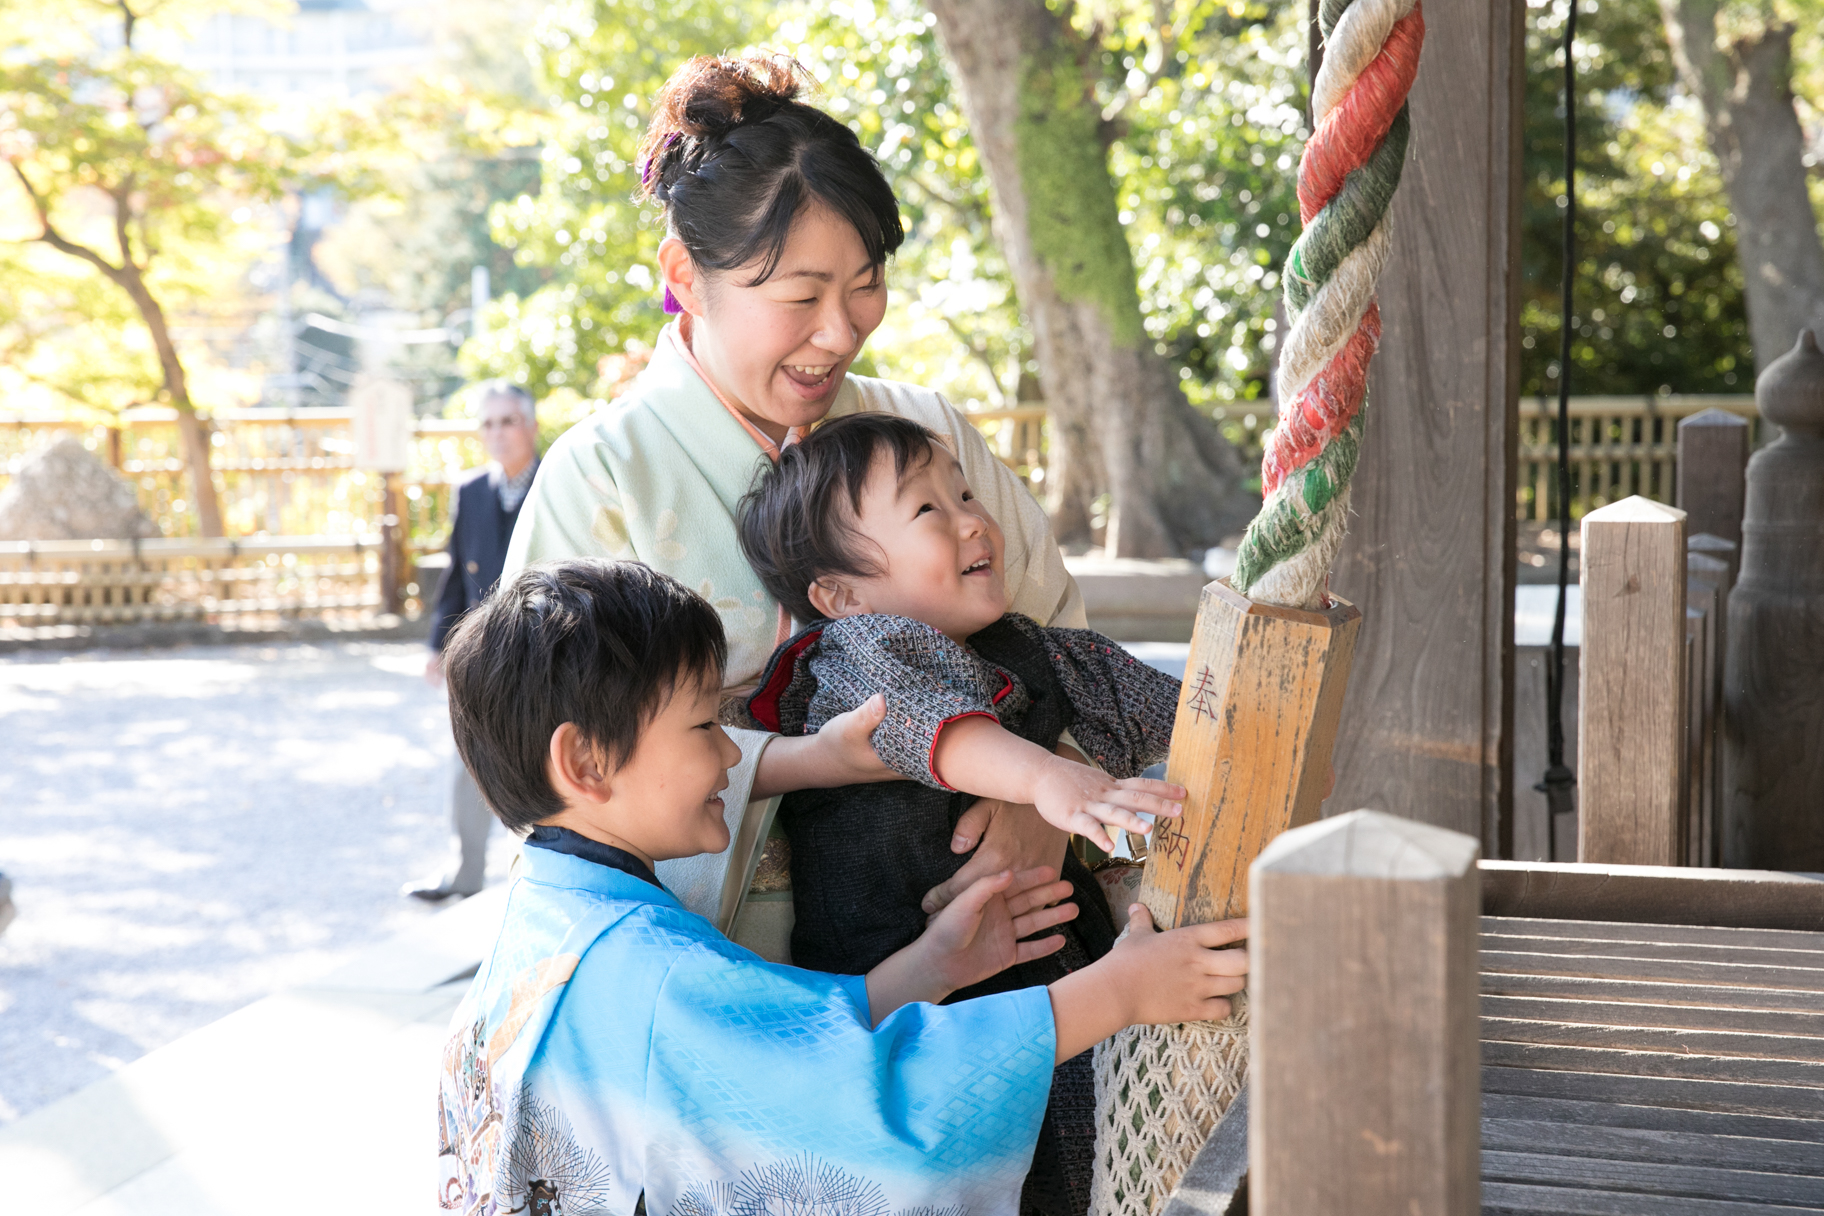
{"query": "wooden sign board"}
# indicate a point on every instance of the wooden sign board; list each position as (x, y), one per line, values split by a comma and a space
(382, 423)
(1257, 718)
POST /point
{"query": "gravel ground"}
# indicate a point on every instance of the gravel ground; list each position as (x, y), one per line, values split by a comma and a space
(188, 831)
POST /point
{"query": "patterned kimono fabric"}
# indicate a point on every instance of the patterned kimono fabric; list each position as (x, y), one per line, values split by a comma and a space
(614, 1045)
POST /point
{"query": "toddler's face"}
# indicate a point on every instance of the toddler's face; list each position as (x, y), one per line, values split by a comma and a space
(940, 550)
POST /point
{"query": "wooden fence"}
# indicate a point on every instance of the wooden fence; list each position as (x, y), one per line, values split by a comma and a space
(1620, 446)
(235, 583)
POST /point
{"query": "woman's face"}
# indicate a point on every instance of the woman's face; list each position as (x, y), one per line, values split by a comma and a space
(778, 350)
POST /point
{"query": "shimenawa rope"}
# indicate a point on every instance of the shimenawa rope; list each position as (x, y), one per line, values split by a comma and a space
(1161, 1089)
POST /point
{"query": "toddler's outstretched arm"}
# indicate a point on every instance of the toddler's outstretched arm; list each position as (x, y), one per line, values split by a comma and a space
(979, 756)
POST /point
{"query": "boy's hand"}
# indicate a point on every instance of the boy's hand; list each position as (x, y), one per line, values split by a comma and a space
(979, 934)
(1149, 978)
(1181, 975)
(976, 936)
(1081, 799)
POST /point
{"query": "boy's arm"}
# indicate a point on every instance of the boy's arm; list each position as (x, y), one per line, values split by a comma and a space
(1150, 978)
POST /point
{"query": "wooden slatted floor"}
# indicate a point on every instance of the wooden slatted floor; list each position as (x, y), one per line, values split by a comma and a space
(1651, 1069)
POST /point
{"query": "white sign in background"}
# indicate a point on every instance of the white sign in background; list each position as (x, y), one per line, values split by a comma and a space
(383, 423)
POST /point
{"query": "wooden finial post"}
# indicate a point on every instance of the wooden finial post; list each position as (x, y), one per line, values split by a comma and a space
(1774, 678)
(1263, 692)
(1365, 1085)
(1632, 743)
(1713, 472)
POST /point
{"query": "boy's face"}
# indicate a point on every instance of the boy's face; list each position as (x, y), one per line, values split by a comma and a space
(665, 801)
(940, 550)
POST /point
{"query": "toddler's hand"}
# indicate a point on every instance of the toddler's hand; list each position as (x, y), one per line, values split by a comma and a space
(1181, 975)
(978, 934)
(1080, 799)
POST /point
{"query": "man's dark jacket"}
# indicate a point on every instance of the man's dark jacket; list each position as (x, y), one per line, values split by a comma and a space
(479, 532)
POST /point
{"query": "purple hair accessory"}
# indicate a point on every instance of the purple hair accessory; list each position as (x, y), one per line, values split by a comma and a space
(671, 303)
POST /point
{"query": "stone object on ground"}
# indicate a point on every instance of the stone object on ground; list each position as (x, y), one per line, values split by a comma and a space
(63, 491)
(1132, 600)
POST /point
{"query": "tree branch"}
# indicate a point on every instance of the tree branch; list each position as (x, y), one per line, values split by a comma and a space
(56, 240)
(973, 345)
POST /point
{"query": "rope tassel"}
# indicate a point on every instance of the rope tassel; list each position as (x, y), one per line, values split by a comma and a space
(1346, 181)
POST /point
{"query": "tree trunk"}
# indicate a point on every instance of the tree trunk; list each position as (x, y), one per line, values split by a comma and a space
(1754, 131)
(177, 386)
(1120, 424)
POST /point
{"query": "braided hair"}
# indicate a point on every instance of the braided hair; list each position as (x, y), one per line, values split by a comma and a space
(733, 156)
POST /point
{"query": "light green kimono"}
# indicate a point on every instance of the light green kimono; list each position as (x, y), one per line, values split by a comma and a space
(658, 476)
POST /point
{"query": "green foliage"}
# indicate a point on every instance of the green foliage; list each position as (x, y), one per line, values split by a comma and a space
(123, 172)
(1204, 145)
(1658, 288)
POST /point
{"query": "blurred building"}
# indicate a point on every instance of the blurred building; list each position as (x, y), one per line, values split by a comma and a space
(326, 48)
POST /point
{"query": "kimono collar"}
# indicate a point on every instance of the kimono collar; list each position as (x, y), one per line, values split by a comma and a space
(563, 840)
(681, 343)
(554, 869)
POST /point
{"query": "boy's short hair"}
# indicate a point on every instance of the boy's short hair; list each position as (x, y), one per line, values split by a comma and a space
(601, 644)
(794, 528)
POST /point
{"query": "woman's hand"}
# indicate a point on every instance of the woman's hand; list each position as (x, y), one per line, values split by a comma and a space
(842, 753)
(1011, 836)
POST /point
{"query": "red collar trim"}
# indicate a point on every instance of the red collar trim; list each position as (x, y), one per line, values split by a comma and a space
(764, 704)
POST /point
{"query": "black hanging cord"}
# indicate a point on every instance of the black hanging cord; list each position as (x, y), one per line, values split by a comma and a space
(1559, 780)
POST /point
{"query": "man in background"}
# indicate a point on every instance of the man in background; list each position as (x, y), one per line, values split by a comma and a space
(483, 509)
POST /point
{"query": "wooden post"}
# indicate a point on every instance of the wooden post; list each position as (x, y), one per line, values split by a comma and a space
(1631, 712)
(1707, 588)
(1774, 678)
(1713, 472)
(1427, 726)
(1257, 718)
(1365, 1089)
(392, 550)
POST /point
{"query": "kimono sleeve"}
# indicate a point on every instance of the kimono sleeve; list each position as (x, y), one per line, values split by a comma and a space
(762, 1063)
(1124, 708)
(929, 682)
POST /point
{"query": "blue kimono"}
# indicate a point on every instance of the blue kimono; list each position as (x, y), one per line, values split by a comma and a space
(614, 1044)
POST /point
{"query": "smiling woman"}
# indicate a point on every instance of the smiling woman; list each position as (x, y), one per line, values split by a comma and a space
(779, 229)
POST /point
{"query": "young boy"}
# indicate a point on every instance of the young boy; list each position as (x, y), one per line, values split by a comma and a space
(868, 530)
(614, 1045)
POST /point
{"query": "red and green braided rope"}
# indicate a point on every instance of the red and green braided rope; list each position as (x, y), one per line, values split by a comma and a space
(1346, 180)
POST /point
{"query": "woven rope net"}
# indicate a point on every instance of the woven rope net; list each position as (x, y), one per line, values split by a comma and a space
(1160, 1090)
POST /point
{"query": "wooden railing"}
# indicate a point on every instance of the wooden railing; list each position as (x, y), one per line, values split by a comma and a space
(1620, 446)
(224, 582)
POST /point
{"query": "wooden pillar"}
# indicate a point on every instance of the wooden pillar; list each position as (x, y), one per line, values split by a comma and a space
(1713, 472)
(1365, 1088)
(1427, 725)
(1257, 719)
(1631, 713)
(1774, 673)
(392, 548)
(1707, 589)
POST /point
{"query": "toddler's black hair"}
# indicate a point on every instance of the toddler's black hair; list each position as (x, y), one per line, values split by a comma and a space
(602, 644)
(794, 528)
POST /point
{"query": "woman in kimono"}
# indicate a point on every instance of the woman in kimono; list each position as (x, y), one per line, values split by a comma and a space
(779, 229)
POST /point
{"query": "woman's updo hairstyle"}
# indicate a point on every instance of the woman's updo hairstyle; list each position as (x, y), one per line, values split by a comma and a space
(733, 156)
